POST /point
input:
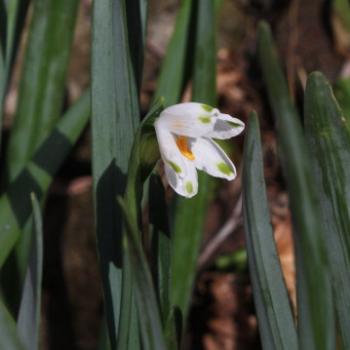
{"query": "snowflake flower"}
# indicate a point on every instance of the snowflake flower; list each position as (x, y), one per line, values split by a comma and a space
(184, 133)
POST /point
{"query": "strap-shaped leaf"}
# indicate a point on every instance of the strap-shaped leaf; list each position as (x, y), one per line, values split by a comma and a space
(161, 243)
(328, 135)
(12, 18)
(28, 322)
(144, 155)
(342, 94)
(9, 338)
(148, 311)
(115, 117)
(43, 79)
(315, 309)
(15, 205)
(40, 101)
(190, 213)
(172, 78)
(275, 318)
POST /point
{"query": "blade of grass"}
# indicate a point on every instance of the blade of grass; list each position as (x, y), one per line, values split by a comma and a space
(41, 89)
(275, 318)
(144, 155)
(103, 341)
(328, 135)
(12, 18)
(150, 323)
(136, 13)
(315, 309)
(39, 106)
(188, 228)
(3, 25)
(115, 113)
(15, 19)
(15, 206)
(144, 18)
(3, 29)
(172, 77)
(161, 244)
(161, 265)
(28, 323)
(9, 339)
(342, 94)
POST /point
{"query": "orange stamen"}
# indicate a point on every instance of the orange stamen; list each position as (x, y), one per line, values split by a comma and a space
(182, 143)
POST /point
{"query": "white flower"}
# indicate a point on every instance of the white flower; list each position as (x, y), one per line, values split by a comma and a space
(184, 132)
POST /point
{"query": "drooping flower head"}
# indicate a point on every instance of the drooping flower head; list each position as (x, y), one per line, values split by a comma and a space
(185, 134)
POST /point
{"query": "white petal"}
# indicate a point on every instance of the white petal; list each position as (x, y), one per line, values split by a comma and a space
(226, 127)
(186, 186)
(190, 119)
(169, 151)
(181, 173)
(211, 158)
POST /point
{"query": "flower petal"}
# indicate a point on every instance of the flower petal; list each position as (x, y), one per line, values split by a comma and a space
(190, 119)
(211, 158)
(181, 173)
(169, 151)
(186, 186)
(226, 127)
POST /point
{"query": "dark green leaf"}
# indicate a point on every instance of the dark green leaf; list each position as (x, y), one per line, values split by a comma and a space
(43, 77)
(342, 94)
(12, 19)
(9, 339)
(28, 323)
(115, 110)
(15, 206)
(276, 324)
(161, 243)
(190, 213)
(103, 341)
(144, 155)
(16, 11)
(328, 135)
(315, 309)
(150, 323)
(40, 100)
(172, 76)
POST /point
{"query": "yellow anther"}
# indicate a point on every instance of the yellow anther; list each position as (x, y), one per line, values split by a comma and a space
(182, 143)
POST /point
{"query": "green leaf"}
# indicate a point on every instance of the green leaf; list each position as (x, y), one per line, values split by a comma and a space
(12, 19)
(115, 117)
(15, 19)
(342, 94)
(341, 9)
(3, 73)
(328, 135)
(9, 339)
(190, 213)
(144, 155)
(136, 16)
(161, 243)
(3, 29)
(275, 318)
(172, 77)
(28, 323)
(315, 309)
(41, 89)
(103, 341)
(150, 323)
(40, 101)
(15, 206)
